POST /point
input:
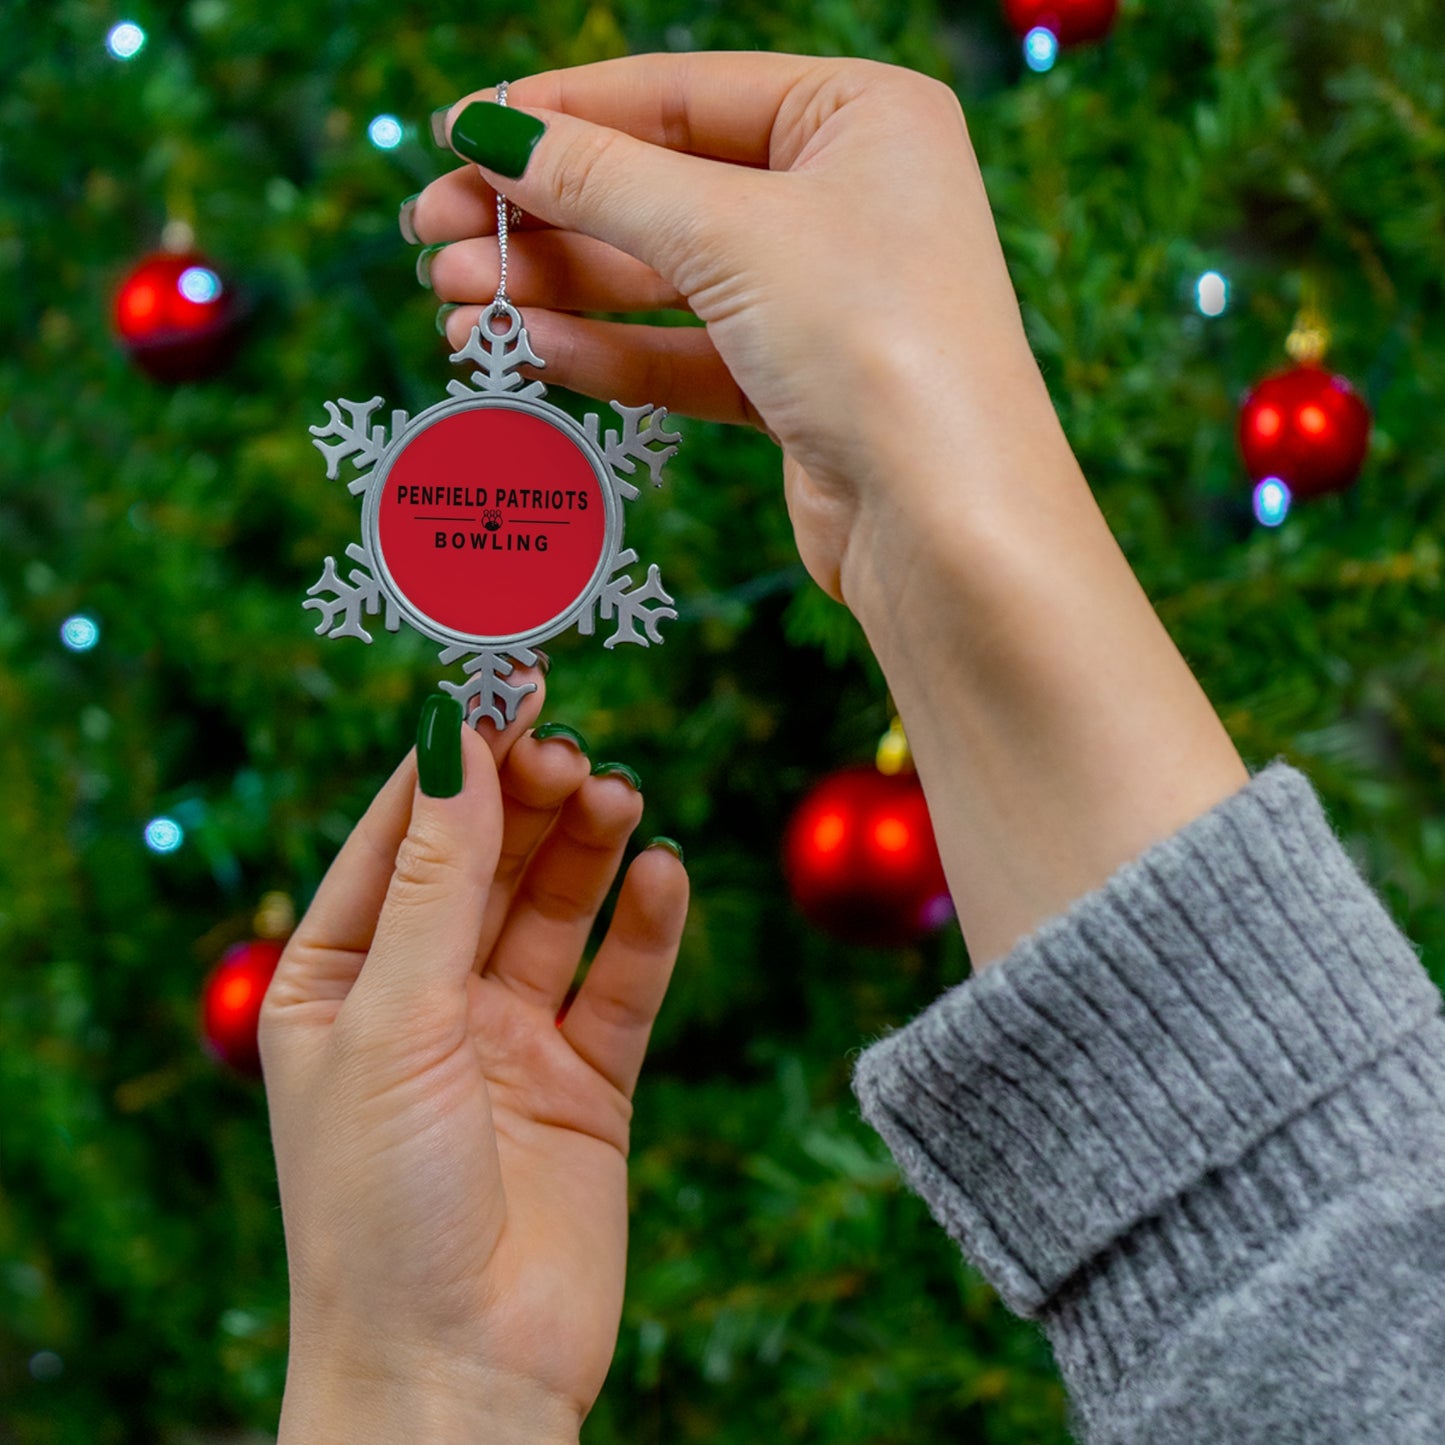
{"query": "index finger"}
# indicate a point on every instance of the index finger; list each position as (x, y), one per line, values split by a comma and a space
(724, 105)
(751, 109)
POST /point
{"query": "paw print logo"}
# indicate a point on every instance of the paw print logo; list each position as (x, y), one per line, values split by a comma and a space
(492, 519)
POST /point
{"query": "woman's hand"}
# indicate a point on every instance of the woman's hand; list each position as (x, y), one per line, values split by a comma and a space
(452, 1158)
(825, 218)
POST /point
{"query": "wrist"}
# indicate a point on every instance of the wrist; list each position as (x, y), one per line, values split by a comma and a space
(337, 1400)
(954, 477)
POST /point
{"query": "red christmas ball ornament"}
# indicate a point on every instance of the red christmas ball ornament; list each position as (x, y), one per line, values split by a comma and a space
(1306, 426)
(231, 1003)
(176, 317)
(861, 861)
(1071, 22)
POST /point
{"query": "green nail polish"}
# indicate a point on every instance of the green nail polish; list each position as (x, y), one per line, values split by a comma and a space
(671, 844)
(561, 730)
(496, 136)
(439, 746)
(439, 125)
(404, 220)
(423, 262)
(617, 770)
(443, 311)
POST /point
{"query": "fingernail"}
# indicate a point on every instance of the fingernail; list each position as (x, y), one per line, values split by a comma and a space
(561, 730)
(618, 770)
(671, 844)
(439, 125)
(404, 219)
(423, 263)
(439, 746)
(496, 136)
(543, 661)
(443, 311)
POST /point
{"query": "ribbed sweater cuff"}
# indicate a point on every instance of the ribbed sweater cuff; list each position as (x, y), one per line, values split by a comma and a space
(1221, 984)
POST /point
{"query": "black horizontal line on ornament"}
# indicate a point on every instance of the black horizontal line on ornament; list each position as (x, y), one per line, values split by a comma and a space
(526, 521)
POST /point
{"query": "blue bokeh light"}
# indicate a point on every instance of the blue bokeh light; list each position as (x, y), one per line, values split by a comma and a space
(164, 835)
(1041, 48)
(126, 40)
(1211, 294)
(80, 633)
(199, 284)
(385, 132)
(1271, 501)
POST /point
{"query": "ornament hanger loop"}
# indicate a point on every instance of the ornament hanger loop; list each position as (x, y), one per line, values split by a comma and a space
(498, 310)
(500, 302)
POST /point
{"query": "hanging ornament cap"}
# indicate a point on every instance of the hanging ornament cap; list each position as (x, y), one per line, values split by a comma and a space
(1310, 339)
(178, 235)
(894, 755)
(275, 916)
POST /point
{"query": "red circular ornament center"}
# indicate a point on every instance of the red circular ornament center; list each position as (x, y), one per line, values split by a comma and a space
(491, 522)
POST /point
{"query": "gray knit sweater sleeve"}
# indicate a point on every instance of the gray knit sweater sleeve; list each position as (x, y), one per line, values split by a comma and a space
(1195, 1126)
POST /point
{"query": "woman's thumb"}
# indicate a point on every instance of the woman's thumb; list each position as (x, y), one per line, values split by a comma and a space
(426, 935)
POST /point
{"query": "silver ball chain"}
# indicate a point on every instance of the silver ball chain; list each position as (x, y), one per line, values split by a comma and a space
(501, 299)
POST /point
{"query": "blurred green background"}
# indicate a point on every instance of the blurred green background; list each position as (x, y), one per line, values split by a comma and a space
(783, 1284)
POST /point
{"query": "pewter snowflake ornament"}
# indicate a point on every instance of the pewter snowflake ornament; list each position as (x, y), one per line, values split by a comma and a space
(492, 521)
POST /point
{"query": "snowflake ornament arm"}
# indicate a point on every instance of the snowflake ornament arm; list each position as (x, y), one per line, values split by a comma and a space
(642, 439)
(359, 440)
(485, 687)
(498, 363)
(630, 607)
(350, 599)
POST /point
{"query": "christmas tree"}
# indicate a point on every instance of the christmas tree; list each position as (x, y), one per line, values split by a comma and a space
(178, 744)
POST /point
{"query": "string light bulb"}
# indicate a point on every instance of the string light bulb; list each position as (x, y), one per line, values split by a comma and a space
(125, 40)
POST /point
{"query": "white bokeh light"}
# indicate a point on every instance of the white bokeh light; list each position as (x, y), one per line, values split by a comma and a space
(1271, 502)
(1211, 294)
(199, 284)
(79, 633)
(164, 835)
(1041, 48)
(126, 40)
(385, 132)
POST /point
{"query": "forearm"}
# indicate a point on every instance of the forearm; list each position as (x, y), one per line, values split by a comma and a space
(1057, 730)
